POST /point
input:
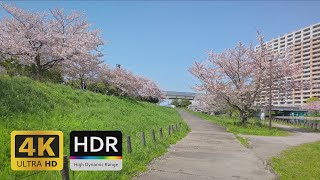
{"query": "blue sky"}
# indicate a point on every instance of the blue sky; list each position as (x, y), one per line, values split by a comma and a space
(161, 40)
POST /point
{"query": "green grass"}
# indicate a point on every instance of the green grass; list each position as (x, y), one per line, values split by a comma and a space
(243, 141)
(29, 105)
(254, 127)
(301, 162)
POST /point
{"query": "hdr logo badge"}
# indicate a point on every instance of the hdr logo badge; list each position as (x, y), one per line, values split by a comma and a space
(96, 150)
(36, 150)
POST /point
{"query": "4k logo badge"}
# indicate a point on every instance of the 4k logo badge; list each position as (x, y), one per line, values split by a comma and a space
(36, 150)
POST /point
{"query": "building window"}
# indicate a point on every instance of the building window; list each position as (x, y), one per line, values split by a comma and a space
(316, 26)
(305, 30)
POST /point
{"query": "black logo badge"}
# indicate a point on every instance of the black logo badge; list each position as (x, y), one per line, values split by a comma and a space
(96, 150)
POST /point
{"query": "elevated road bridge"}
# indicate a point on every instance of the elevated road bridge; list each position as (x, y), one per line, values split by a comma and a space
(179, 95)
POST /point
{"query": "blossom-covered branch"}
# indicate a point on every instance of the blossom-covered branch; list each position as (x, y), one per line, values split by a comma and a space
(236, 77)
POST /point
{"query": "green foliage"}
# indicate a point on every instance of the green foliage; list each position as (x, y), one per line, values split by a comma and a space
(31, 105)
(181, 102)
(97, 87)
(313, 114)
(149, 99)
(312, 99)
(253, 127)
(184, 102)
(301, 162)
(51, 75)
(175, 102)
(13, 68)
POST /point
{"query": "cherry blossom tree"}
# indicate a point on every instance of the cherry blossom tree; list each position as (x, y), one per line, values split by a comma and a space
(45, 39)
(128, 84)
(236, 77)
(150, 90)
(313, 106)
(206, 103)
(82, 69)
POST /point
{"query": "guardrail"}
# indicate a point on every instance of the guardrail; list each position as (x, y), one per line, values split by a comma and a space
(171, 129)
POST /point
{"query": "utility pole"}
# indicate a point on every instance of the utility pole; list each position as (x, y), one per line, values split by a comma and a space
(270, 90)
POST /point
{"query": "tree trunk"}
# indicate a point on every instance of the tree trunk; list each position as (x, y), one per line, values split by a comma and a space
(39, 68)
(243, 117)
(229, 113)
(81, 83)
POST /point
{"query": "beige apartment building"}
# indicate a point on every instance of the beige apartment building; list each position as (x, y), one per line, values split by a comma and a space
(305, 46)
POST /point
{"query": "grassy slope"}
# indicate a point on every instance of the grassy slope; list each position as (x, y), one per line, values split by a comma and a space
(250, 129)
(301, 162)
(30, 105)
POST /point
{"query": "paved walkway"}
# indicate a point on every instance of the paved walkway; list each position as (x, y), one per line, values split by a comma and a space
(207, 152)
(267, 146)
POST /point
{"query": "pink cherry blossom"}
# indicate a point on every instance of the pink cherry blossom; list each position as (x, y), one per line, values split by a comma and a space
(313, 106)
(238, 76)
(50, 38)
(132, 85)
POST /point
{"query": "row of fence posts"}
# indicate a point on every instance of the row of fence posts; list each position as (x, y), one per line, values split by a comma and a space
(171, 129)
(304, 123)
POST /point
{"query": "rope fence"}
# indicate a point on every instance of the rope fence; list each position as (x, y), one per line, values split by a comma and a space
(127, 142)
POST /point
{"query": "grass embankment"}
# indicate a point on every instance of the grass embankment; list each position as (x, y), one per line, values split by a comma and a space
(253, 127)
(301, 162)
(29, 105)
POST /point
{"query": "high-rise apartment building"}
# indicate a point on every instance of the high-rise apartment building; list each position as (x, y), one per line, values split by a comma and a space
(305, 48)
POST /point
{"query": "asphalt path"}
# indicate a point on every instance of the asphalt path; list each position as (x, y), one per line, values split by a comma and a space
(207, 152)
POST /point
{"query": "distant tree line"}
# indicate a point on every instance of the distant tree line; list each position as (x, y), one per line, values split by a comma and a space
(181, 102)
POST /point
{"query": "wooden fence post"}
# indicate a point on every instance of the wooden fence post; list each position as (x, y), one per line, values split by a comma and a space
(153, 135)
(176, 126)
(160, 130)
(169, 130)
(129, 144)
(65, 170)
(172, 128)
(143, 139)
